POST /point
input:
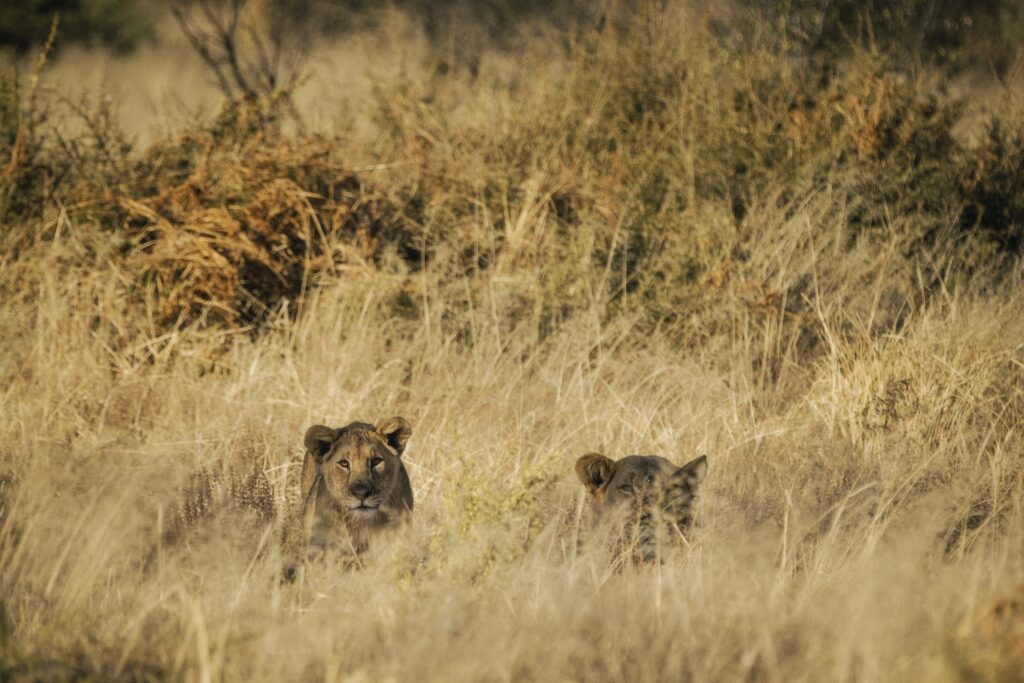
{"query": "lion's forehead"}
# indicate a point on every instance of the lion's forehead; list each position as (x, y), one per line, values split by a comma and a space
(359, 443)
(640, 468)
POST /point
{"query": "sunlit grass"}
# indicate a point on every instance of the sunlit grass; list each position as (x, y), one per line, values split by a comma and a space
(559, 254)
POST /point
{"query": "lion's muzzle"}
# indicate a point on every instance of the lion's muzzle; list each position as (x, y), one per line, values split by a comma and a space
(361, 489)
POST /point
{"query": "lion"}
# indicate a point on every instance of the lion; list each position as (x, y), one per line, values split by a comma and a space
(650, 497)
(988, 643)
(355, 484)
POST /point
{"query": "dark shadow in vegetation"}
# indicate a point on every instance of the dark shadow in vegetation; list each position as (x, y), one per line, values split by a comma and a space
(947, 33)
(114, 24)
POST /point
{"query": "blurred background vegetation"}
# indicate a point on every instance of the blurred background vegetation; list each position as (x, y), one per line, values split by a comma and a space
(668, 129)
(954, 32)
(116, 24)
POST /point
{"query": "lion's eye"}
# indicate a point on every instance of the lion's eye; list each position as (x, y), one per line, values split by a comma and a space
(376, 461)
(343, 464)
(627, 489)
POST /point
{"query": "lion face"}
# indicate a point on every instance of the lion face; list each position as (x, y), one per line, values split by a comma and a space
(647, 493)
(362, 470)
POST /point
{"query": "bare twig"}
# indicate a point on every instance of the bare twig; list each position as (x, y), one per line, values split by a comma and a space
(24, 123)
(247, 59)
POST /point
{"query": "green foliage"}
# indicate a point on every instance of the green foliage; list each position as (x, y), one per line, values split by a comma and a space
(479, 500)
(496, 519)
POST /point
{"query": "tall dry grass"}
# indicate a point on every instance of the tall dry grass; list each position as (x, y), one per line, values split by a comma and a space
(650, 238)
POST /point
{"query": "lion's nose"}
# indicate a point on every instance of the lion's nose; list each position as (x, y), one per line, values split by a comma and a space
(360, 489)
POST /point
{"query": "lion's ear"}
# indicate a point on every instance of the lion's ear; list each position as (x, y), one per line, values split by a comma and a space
(693, 472)
(595, 471)
(319, 439)
(396, 432)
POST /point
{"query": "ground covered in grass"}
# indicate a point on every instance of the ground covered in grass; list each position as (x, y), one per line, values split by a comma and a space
(659, 229)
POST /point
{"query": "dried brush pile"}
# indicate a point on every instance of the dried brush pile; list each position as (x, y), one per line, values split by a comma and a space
(229, 234)
(224, 226)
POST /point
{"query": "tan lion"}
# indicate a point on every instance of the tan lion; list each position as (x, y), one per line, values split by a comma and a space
(650, 497)
(355, 484)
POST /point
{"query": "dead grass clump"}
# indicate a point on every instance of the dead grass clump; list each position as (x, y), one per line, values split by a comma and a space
(223, 226)
(211, 492)
(239, 233)
(982, 514)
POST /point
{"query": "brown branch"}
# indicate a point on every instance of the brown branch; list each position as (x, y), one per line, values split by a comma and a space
(267, 70)
(246, 57)
(199, 41)
(228, 41)
(24, 119)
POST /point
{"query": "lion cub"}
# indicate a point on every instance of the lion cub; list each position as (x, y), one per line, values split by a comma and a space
(650, 497)
(355, 484)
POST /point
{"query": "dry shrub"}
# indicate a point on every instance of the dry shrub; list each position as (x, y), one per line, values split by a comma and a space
(240, 232)
(638, 175)
(224, 226)
(210, 493)
(677, 170)
(25, 178)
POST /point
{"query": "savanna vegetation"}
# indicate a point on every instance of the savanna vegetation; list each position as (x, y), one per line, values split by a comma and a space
(785, 234)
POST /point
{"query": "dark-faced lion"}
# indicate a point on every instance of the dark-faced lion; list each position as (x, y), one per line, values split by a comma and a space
(646, 500)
